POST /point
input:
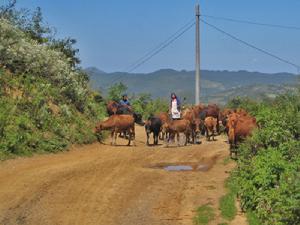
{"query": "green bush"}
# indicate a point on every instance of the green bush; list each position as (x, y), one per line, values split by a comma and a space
(45, 103)
(267, 176)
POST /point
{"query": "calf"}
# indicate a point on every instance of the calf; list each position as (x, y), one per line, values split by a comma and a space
(153, 125)
(211, 110)
(176, 127)
(118, 124)
(164, 117)
(210, 124)
(195, 123)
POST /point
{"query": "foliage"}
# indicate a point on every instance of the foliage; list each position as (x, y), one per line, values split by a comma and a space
(116, 91)
(45, 102)
(227, 206)
(252, 219)
(205, 214)
(141, 103)
(267, 175)
(227, 202)
(145, 105)
(33, 26)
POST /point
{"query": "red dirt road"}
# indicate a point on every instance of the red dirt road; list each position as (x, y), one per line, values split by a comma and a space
(103, 184)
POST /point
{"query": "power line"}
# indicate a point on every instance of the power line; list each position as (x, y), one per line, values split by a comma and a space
(159, 45)
(252, 22)
(162, 47)
(158, 50)
(250, 45)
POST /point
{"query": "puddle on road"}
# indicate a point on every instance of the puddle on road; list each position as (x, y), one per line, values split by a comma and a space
(182, 167)
(178, 168)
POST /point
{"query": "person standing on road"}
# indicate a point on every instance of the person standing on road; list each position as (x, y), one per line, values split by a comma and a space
(175, 107)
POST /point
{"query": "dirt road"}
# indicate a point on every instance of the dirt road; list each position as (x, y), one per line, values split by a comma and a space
(100, 184)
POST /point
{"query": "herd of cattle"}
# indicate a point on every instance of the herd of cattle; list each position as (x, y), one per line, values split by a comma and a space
(196, 120)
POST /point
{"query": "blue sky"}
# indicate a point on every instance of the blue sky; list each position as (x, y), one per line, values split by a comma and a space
(112, 34)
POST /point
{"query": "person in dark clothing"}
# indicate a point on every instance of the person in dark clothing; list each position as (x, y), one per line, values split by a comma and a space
(124, 105)
(124, 101)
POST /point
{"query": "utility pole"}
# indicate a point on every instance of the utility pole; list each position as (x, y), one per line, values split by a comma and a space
(197, 63)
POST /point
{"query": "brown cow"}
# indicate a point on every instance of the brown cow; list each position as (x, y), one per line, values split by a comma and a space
(239, 128)
(118, 124)
(164, 117)
(195, 122)
(176, 127)
(223, 118)
(198, 108)
(113, 108)
(211, 110)
(210, 124)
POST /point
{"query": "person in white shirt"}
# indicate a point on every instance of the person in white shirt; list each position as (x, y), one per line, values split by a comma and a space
(175, 107)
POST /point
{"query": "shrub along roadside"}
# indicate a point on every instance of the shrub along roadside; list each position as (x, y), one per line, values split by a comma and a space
(45, 103)
(205, 214)
(267, 176)
(227, 206)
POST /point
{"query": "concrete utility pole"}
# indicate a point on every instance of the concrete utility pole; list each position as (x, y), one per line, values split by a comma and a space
(197, 65)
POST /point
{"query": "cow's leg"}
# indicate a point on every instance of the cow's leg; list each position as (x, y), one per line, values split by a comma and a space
(133, 135)
(115, 139)
(155, 136)
(147, 138)
(178, 139)
(207, 134)
(112, 137)
(193, 136)
(166, 141)
(187, 136)
(218, 127)
(161, 135)
(129, 139)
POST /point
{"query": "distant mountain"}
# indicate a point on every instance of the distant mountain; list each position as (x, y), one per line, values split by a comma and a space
(257, 92)
(214, 84)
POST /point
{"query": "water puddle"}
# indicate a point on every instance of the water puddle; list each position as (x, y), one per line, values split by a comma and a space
(178, 168)
(182, 167)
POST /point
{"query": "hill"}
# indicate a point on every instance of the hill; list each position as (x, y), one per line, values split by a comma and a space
(213, 83)
(45, 102)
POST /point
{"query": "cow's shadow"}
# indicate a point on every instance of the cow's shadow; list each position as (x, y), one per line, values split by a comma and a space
(153, 145)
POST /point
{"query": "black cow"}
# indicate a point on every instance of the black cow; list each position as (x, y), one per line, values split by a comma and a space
(153, 125)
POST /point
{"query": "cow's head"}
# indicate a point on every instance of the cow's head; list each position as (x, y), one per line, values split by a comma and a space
(98, 128)
(232, 120)
(147, 126)
(138, 118)
(198, 125)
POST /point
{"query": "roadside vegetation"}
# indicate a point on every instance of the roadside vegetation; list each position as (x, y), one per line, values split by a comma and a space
(45, 101)
(142, 103)
(267, 177)
(227, 202)
(205, 214)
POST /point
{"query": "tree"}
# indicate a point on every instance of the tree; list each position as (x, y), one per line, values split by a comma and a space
(115, 92)
(66, 46)
(7, 10)
(37, 30)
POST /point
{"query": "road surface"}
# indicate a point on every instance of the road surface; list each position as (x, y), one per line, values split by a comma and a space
(113, 185)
